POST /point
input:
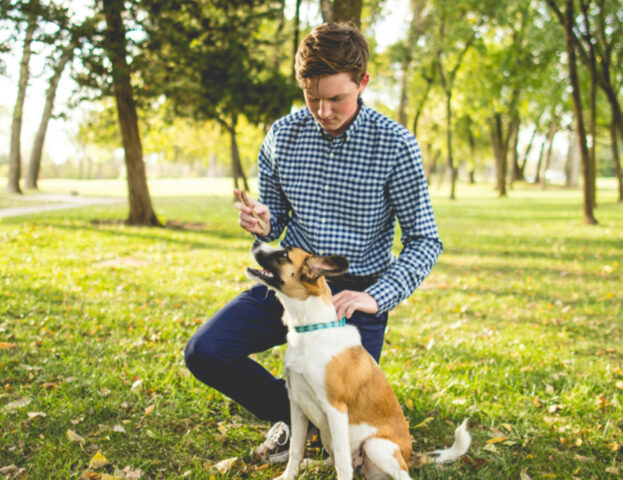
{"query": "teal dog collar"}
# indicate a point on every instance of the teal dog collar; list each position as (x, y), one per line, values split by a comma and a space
(320, 326)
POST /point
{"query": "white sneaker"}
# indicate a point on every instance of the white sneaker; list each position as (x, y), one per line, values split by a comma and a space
(275, 448)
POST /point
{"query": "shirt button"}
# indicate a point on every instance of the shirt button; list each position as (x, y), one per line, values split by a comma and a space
(331, 155)
(326, 187)
(321, 252)
(323, 220)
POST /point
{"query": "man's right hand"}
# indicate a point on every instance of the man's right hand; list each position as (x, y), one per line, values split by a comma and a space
(247, 221)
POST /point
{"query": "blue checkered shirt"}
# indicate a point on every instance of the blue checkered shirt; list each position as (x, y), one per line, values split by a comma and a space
(343, 195)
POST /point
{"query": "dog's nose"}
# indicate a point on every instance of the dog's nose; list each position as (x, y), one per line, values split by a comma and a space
(256, 244)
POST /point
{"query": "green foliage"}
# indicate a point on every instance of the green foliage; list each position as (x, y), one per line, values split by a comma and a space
(167, 138)
(210, 59)
(518, 328)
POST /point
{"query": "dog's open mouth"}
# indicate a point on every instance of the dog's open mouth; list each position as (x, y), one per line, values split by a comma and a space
(261, 274)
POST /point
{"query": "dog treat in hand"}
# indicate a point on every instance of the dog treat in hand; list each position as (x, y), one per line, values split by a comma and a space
(245, 200)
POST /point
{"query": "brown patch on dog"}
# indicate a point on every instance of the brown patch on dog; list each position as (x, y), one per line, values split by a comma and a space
(355, 384)
(303, 276)
(398, 455)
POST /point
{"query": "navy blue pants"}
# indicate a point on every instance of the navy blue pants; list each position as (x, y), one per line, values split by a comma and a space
(218, 354)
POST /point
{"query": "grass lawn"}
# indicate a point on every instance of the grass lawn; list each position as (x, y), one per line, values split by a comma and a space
(519, 328)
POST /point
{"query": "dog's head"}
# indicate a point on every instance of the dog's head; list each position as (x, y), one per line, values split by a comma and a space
(294, 272)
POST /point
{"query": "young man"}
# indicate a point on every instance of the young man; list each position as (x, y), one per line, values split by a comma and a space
(335, 176)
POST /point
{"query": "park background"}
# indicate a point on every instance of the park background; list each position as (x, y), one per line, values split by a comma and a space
(516, 106)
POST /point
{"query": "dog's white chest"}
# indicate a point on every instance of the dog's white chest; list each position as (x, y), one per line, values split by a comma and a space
(305, 364)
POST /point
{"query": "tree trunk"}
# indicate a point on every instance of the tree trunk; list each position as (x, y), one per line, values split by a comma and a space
(592, 155)
(499, 152)
(520, 174)
(327, 10)
(295, 36)
(404, 96)
(32, 174)
(514, 141)
(15, 155)
(569, 20)
(616, 160)
(141, 209)
(471, 141)
(548, 156)
(539, 163)
(615, 107)
(451, 167)
(430, 167)
(347, 11)
(418, 113)
(236, 164)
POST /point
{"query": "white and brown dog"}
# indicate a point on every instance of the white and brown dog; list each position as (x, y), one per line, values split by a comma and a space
(332, 381)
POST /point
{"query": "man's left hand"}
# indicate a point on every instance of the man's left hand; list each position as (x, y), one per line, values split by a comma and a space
(347, 301)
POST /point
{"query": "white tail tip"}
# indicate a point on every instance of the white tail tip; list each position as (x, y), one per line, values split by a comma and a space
(462, 441)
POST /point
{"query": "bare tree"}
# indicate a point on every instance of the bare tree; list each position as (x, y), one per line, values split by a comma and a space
(32, 174)
(15, 156)
(568, 23)
(141, 209)
(341, 11)
(447, 76)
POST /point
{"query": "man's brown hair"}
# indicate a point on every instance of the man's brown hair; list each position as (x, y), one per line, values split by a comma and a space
(329, 49)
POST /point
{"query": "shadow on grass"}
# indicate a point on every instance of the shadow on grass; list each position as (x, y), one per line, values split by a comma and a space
(147, 234)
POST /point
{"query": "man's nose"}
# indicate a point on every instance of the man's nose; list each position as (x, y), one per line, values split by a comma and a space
(324, 109)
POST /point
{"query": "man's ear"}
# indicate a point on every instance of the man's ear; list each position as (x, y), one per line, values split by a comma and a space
(329, 266)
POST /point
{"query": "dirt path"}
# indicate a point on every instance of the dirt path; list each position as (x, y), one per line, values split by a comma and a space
(48, 202)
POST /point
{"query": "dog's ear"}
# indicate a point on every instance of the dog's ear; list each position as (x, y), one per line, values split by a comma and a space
(329, 266)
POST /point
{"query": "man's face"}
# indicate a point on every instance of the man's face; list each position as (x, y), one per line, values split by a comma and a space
(332, 100)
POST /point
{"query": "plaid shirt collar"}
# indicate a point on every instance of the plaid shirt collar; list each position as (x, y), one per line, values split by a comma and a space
(360, 118)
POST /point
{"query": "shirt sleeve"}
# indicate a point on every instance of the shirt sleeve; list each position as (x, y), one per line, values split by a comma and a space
(270, 192)
(409, 197)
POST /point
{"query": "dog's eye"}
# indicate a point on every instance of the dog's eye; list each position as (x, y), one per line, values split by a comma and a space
(284, 254)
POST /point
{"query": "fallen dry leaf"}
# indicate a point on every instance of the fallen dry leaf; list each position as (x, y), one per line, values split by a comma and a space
(582, 458)
(424, 422)
(106, 476)
(8, 469)
(619, 384)
(497, 440)
(22, 402)
(33, 415)
(136, 386)
(508, 427)
(490, 448)
(224, 466)
(476, 463)
(98, 461)
(74, 437)
(149, 410)
(118, 429)
(128, 474)
(7, 345)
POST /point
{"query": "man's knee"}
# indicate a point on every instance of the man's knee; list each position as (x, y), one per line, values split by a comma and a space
(201, 360)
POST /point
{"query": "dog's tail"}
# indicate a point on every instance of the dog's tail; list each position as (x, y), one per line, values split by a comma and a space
(462, 441)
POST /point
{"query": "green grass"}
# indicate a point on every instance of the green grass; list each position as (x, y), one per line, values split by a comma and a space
(518, 328)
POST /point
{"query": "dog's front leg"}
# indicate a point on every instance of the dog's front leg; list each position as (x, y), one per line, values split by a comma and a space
(338, 425)
(298, 435)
